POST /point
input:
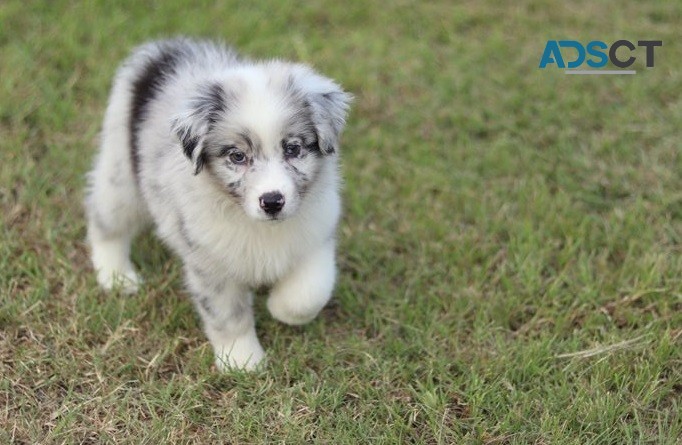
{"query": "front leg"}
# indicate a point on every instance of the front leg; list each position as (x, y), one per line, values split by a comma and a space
(227, 315)
(300, 296)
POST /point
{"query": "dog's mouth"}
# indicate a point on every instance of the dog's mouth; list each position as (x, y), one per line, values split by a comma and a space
(270, 219)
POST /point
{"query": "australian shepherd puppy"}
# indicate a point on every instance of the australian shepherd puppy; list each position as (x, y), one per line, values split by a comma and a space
(236, 164)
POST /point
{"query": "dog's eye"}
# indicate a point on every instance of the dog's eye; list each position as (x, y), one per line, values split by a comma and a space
(292, 150)
(237, 157)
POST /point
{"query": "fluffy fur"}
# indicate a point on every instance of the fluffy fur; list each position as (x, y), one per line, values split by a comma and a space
(235, 163)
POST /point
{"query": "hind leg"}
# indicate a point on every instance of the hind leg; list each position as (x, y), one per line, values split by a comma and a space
(116, 213)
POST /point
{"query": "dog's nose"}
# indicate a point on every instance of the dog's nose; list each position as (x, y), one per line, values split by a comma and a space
(271, 202)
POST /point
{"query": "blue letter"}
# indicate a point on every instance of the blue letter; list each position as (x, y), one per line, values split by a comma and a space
(552, 54)
(581, 52)
(593, 51)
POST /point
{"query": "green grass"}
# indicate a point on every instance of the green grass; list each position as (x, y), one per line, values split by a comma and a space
(510, 255)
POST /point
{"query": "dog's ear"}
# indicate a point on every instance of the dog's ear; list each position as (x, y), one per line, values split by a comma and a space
(191, 135)
(329, 106)
(193, 124)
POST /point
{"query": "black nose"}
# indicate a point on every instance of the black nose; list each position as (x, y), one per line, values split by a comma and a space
(271, 202)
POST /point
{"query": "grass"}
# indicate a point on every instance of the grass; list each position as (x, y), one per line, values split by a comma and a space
(510, 254)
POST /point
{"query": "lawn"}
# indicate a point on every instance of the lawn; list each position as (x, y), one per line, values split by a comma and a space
(510, 254)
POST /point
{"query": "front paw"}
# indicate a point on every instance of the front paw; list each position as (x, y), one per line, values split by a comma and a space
(292, 311)
(245, 354)
(127, 281)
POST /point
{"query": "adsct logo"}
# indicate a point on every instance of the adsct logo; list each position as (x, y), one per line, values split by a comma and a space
(596, 56)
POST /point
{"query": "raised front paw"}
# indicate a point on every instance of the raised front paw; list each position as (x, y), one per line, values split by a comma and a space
(295, 309)
(300, 296)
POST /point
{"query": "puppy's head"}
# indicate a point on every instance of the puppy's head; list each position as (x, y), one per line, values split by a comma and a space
(263, 132)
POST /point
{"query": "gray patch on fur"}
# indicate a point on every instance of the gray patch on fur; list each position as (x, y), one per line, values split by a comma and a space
(204, 303)
(184, 233)
(239, 310)
(216, 320)
(300, 178)
(233, 189)
(208, 280)
(117, 178)
(99, 221)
